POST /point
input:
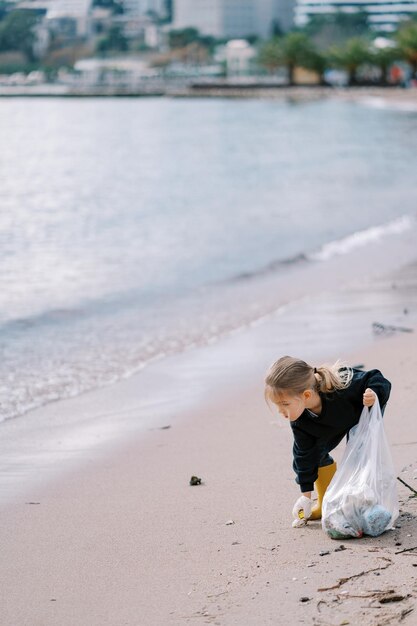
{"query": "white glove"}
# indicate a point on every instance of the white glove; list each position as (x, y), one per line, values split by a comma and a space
(301, 511)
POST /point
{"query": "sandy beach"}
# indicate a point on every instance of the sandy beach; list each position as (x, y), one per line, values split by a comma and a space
(119, 537)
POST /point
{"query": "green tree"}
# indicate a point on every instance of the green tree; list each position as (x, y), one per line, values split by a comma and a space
(189, 38)
(17, 32)
(383, 58)
(407, 43)
(207, 41)
(297, 49)
(114, 40)
(317, 62)
(183, 37)
(270, 54)
(291, 51)
(252, 39)
(350, 56)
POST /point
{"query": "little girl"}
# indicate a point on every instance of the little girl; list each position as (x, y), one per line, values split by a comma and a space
(322, 404)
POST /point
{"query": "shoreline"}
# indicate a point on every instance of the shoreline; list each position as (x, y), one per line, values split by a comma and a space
(313, 310)
(263, 295)
(296, 92)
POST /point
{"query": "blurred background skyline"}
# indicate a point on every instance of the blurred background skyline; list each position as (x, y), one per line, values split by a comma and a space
(144, 44)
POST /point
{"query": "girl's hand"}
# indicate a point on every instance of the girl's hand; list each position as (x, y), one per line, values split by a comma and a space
(301, 511)
(369, 397)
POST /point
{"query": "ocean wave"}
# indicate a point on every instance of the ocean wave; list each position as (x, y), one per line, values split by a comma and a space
(333, 248)
(362, 238)
(80, 350)
(105, 307)
(376, 102)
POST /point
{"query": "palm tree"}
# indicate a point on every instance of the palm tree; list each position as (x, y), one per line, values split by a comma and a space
(407, 43)
(383, 57)
(291, 51)
(317, 62)
(296, 50)
(350, 56)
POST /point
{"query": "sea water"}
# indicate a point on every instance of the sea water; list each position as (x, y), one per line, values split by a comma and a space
(131, 228)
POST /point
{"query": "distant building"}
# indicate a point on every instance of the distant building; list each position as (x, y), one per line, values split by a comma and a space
(239, 55)
(41, 6)
(111, 72)
(234, 18)
(146, 7)
(101, 20)
(143, 29)
(384, 15)
(70, 17)
(42, 39)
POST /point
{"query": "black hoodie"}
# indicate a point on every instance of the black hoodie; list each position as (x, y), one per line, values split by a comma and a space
(341, 409)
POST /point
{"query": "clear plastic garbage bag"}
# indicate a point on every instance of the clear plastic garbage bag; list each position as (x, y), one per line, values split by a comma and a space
(362, 497)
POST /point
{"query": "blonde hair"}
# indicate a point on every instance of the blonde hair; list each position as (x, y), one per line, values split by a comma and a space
(295, 376)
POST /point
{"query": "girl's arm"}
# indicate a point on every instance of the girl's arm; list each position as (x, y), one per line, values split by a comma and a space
(305, 461)
(373, 379)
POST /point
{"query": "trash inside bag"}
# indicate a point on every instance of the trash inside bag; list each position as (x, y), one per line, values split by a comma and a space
(376, 520)
(362, 497)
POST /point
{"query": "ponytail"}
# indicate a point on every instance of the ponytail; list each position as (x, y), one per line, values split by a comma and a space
(295, 376)
(332, 377)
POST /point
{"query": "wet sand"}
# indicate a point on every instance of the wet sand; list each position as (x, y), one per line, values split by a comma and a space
(100, 525)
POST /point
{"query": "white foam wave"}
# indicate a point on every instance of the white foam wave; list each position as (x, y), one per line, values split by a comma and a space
(382, 103)
(362, 238)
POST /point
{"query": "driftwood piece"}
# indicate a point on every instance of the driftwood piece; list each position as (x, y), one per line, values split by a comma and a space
(406, 550)
(342, 581)
(380, 329)
(406, 612)
(407, 485)
(371, 594)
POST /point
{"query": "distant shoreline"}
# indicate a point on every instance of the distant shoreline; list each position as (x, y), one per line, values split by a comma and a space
(297, 92)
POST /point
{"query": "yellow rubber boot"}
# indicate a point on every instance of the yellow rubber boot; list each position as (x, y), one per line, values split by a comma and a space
(324, 478)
